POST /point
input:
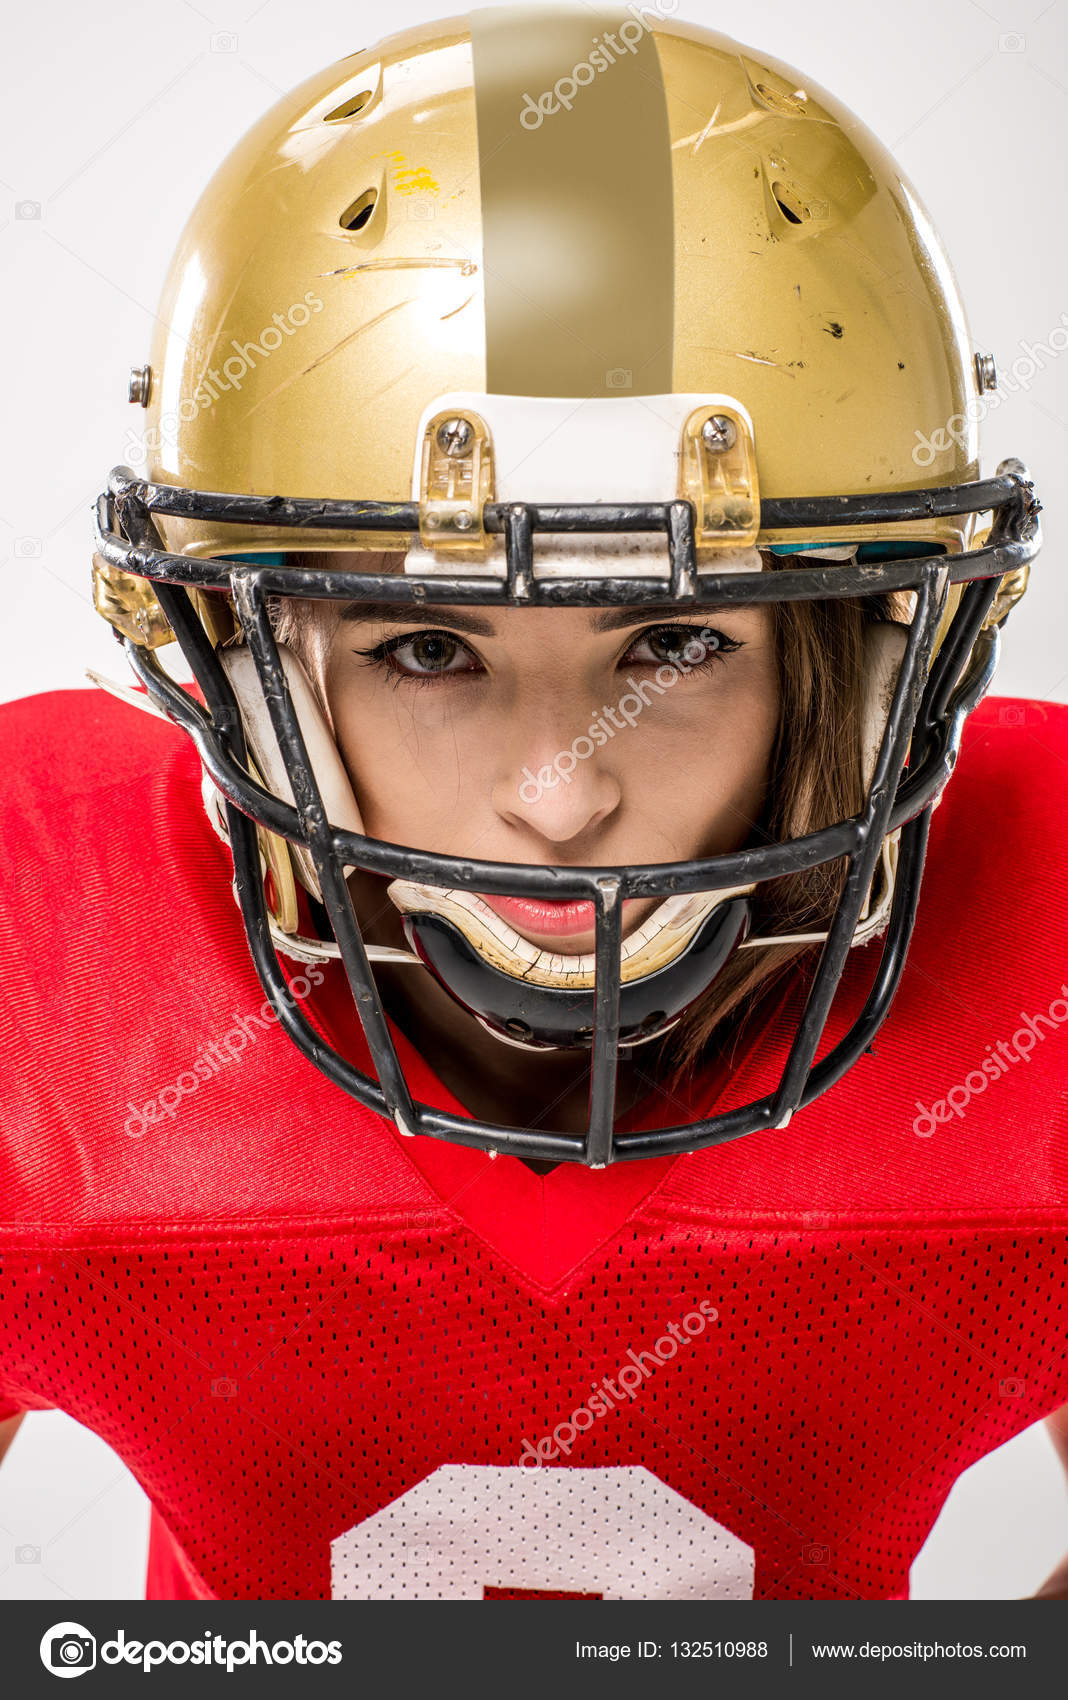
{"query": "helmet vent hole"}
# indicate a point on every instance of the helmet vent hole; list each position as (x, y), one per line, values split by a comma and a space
(359, 214)
(788, 204)
(349, 108)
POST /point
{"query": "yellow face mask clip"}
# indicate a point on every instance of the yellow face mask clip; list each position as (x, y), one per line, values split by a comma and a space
(129, 604)
(718, 474)
(456, 479)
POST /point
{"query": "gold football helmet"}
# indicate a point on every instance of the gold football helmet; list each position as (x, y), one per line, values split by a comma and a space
(559, 306)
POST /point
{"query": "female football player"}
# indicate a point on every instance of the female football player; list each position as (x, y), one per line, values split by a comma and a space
(583, 1161)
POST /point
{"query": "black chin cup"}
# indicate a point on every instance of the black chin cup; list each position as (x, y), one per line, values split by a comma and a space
(554, 1018)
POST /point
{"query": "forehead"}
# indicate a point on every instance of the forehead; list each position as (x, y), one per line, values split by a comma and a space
(576, 621)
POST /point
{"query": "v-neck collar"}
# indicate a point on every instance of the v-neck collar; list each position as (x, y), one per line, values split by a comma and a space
(544, 1226)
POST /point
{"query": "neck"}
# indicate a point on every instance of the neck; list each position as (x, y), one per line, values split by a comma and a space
(546, 1090)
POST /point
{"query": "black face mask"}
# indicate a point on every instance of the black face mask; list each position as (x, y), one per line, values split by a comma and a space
(930, 703)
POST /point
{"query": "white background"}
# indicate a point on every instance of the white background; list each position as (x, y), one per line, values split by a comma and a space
(113, 117)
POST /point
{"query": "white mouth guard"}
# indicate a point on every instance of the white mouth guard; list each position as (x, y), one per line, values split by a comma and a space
(662, 936)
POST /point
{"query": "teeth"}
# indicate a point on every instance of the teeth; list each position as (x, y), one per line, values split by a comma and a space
(653, 945)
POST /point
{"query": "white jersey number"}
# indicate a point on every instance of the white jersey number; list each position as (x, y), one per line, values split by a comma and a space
(471, 1529)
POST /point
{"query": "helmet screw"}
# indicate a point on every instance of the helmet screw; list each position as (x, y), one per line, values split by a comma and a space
(454, 437)
(140, 384)
(463, 519)
(718, 433)
(986, 373)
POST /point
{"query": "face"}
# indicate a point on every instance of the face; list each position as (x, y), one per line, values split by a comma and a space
(572, 737)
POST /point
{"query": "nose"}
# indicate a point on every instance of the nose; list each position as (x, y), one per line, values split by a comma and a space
(559, 795)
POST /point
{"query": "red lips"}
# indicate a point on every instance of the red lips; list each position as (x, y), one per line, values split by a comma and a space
(533, 917)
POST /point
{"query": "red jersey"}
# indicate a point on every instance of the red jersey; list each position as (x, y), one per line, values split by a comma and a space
(345, 1363)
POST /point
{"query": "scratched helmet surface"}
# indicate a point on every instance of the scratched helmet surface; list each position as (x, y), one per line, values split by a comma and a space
(427, 216)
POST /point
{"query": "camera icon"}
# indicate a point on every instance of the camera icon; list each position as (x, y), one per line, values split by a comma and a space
(1012, 43)
(27, 548)
(223, 42)
(817, 209)
(1011, 1387)
(68, 1649)
(27, 1555)
(815, 1555)
(27, 210)
(223, 1387)
(1011, 714)
(618, 378)
(420, 208)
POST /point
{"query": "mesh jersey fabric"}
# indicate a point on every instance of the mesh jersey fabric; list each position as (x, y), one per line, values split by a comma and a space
(345, 1364)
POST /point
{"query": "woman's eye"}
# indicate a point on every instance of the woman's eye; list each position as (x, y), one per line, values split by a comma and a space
(685, 647)
(430, 652)
(423, 655)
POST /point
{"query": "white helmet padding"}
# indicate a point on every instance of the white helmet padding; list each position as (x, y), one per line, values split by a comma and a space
(330, 773)
(884, 646)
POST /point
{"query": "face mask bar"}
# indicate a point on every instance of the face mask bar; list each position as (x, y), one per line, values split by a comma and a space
(929, 716)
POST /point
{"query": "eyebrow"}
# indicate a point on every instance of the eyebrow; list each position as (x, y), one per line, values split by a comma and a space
(413, 613)
(612, 618)
(461, 620)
